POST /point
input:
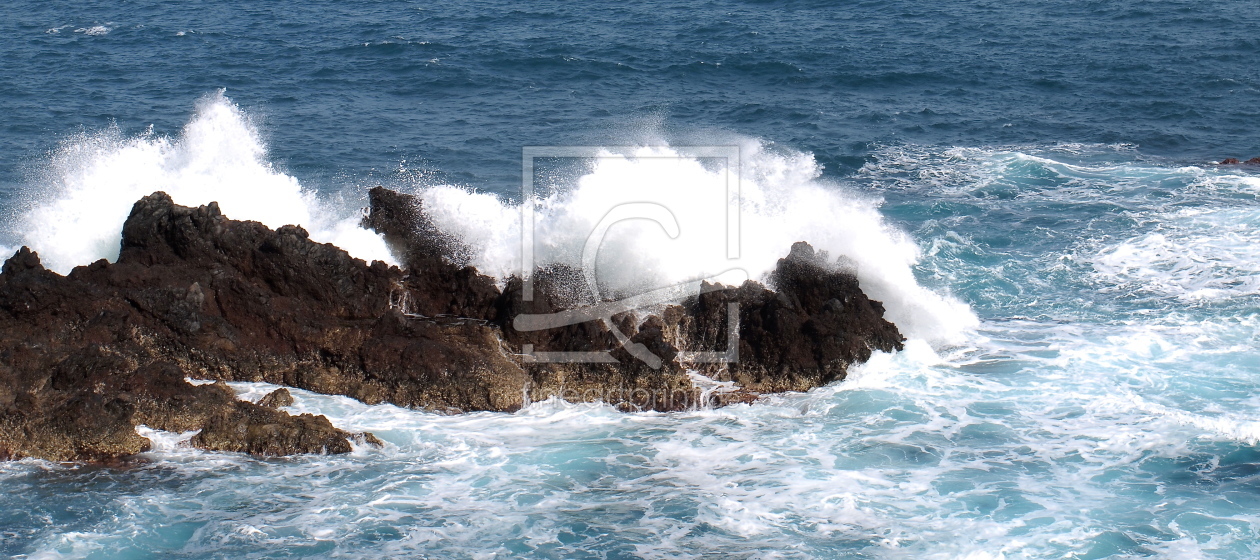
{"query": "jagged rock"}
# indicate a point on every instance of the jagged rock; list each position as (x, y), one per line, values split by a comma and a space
(624, 381)
(1229, 161)
(86, 357)
(804, 335)
(1253, 161)
(279, 398)
(439, 280)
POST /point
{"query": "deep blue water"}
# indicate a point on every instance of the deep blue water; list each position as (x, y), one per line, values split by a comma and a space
(1027, 186)
(455, 89)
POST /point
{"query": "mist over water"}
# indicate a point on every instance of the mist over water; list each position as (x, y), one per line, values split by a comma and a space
(1027, 187)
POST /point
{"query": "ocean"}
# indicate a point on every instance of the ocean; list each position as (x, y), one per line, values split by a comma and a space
(1029, 187)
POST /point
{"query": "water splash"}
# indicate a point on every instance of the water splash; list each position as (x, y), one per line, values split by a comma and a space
(782, 200)
(75, 209)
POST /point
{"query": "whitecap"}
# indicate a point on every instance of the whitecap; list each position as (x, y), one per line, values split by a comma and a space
(95, 30)
(76, 208)
(781, 200)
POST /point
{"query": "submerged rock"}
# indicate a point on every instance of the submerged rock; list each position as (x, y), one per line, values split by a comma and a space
(85, 358)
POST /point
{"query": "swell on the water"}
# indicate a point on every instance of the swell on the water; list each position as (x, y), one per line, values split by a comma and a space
(75, 207)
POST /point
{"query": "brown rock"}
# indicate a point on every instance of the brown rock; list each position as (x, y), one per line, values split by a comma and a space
(366, 438)
(439, 280)
(279, 398)
(253, 429)
(86, 357)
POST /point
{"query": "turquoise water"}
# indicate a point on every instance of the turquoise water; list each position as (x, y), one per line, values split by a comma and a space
(1026, 187)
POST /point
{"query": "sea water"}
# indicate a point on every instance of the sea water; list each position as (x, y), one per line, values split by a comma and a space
(1028, 187)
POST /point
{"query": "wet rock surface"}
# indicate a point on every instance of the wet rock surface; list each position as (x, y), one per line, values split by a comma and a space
(801, 334)
(86, 357)
(279, 398)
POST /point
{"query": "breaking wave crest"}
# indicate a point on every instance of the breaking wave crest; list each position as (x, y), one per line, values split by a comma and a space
(75, 208)
(781, 200)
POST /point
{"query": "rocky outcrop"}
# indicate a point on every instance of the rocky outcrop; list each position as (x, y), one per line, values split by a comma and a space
(85, 358)
(1234, 161)
(439, 281)
(68, 397)
(259, 430)
(802, 334)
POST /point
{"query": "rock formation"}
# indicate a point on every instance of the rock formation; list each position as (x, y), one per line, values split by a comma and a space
(86, 357)
(279, 398)
(802, 335)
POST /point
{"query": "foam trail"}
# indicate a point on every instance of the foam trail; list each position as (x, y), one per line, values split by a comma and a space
(75, 213)
(782, 201)
(1197, 254)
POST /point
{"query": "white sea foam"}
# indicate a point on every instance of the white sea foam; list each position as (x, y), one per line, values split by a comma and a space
(782, 201)
(1143, 229)
(1195, 254)
(163, 441)
(912, 457)
(1034, 439)
(95, 30)
(76, 208)
(72, 544)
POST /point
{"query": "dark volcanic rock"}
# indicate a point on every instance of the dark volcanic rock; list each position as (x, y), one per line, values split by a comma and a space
(1229, 161)
(622, 380)
(438, 279)
(86, 357)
